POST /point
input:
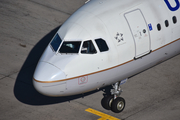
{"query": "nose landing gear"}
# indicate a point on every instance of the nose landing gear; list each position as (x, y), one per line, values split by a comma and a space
(114, 102)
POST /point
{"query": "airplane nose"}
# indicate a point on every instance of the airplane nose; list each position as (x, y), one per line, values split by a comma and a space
(45, 79)
(46, 72)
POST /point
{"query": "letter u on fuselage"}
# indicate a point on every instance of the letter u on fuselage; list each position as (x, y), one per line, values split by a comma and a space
(170, 6)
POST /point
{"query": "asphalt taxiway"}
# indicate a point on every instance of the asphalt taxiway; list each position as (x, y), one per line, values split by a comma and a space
(26, 27)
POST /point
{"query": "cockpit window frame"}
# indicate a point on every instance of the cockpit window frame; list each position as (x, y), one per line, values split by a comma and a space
(77, 52)
(50, 44)
(88, 53)
(102, 45)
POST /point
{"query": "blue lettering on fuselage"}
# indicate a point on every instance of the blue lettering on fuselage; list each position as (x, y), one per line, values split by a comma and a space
(173, 8)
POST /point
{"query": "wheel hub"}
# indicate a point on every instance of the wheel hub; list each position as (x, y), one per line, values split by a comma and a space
(120, 105)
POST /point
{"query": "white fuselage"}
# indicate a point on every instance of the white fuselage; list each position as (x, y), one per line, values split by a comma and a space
(138, 33)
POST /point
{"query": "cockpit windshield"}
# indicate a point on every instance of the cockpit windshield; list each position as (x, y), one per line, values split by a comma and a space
(70, 47)
(55, 43)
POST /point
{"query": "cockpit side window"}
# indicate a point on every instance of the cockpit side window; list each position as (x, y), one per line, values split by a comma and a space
(70, 47)
(55, 43)
(88, 48)
(102, 45)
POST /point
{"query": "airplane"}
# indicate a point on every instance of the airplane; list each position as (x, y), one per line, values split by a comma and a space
(104, 43)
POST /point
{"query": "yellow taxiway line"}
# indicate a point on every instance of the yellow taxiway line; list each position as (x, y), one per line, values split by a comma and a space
(102, 115)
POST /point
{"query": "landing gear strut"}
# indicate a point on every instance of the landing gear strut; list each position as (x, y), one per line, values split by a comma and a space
(114, 102)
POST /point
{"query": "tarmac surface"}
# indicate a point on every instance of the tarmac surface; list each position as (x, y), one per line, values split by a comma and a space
(26, 27)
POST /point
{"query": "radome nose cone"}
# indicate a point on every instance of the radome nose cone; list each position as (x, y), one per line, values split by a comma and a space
(45, 79)
(46, 72)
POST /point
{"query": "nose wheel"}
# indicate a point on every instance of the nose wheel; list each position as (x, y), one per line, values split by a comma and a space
(118, 105)
(114, 102)
(106, 102)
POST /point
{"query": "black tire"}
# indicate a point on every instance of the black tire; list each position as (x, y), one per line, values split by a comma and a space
(118, 105)
(107, 101)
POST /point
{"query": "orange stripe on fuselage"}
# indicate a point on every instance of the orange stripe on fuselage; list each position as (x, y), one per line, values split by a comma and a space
(100, 70)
